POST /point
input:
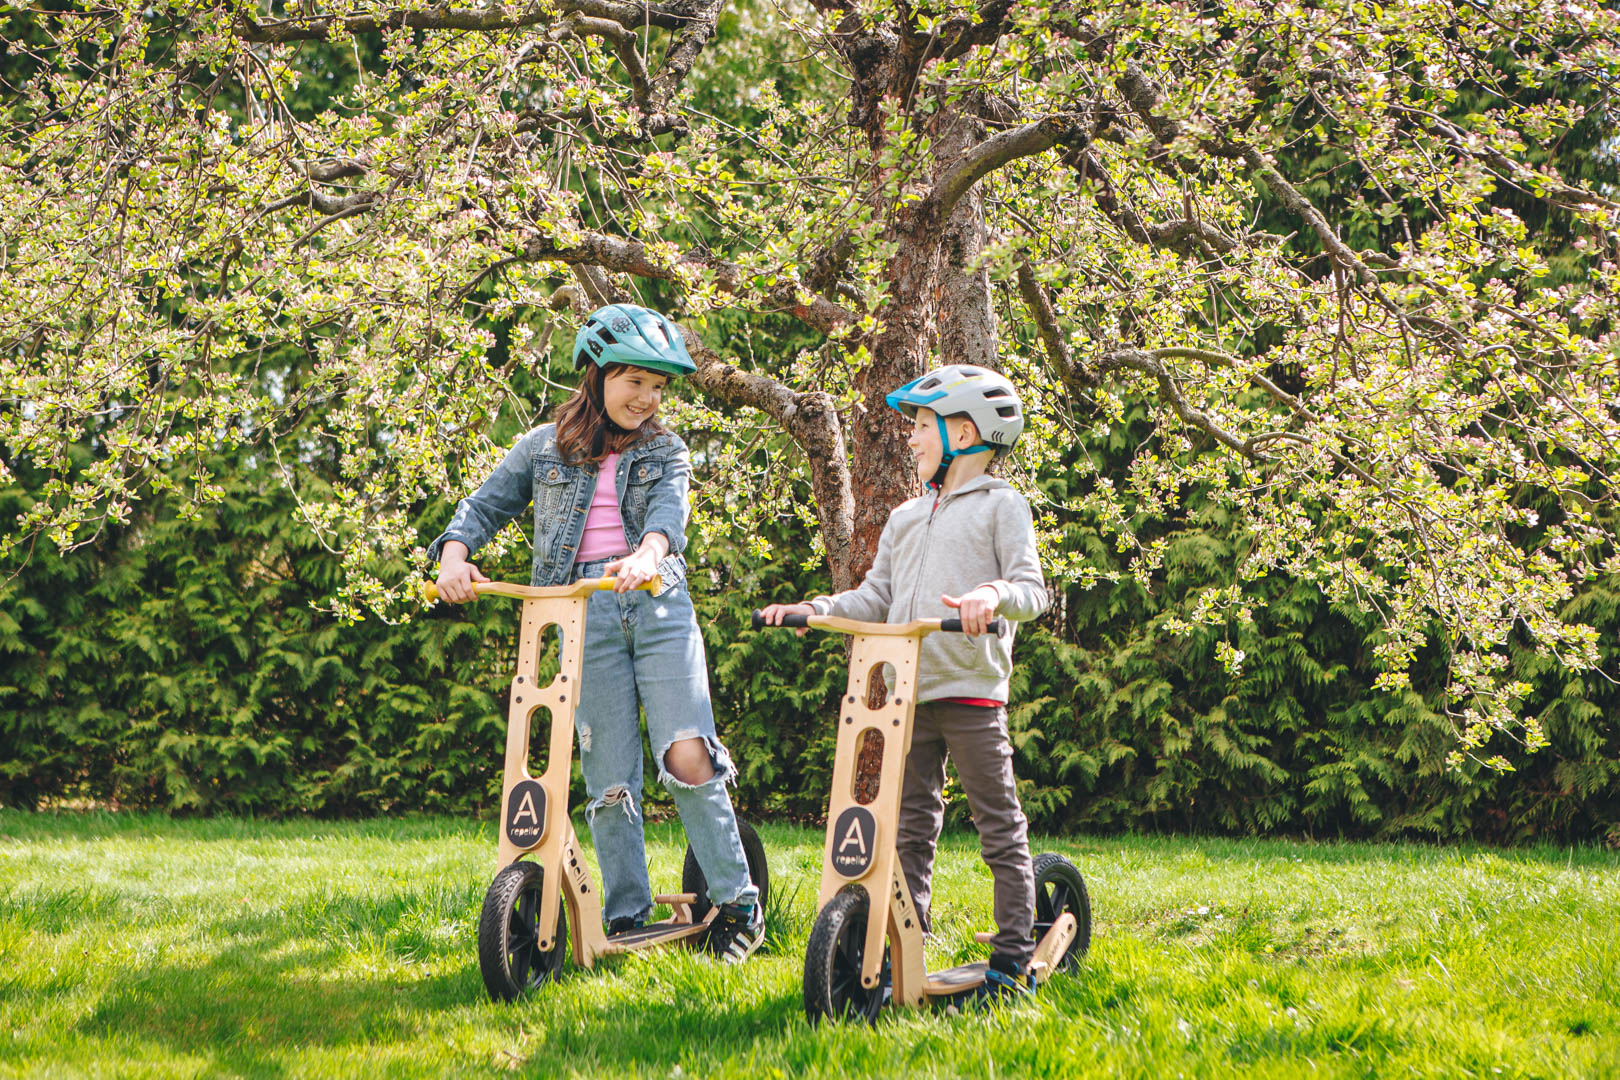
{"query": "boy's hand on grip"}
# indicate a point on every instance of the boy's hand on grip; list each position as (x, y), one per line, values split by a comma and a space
(977, 608)
(774, 614)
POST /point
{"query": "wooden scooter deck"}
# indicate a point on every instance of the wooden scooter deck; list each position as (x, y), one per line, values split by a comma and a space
(659, 933)
(956, 980)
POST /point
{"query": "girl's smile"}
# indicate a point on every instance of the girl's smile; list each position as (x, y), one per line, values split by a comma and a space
(631, 396)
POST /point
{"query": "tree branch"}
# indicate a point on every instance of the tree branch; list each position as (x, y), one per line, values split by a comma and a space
(1046, 324)
(1543, 186)
(632, 257)
(320, 27)
(812, 420)
(624, 44)
(689, 42)
(1185, 235)
(1066, 129)
(1290, 196)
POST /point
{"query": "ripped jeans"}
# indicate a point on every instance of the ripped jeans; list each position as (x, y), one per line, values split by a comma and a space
(644, 653)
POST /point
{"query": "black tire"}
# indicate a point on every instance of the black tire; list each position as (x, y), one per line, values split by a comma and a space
(508, 941)
(1059, 888)
(832, 963)
(693, 881)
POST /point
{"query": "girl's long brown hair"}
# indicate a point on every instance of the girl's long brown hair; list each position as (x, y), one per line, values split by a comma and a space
(584, 431)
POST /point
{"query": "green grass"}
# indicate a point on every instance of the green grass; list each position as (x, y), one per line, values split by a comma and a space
(137, 946)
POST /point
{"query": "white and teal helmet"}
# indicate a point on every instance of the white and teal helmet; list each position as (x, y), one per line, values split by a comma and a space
(634, 335)
(986, 397)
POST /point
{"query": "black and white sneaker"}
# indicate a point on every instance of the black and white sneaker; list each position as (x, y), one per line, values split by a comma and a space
(737, 930)
(1004, 981)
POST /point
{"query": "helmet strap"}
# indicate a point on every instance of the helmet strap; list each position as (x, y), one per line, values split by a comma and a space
(948, 455)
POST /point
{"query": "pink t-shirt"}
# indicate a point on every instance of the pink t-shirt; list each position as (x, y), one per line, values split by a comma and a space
(604, 528)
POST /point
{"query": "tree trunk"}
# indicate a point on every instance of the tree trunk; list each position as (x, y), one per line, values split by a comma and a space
(967, 318)
(936, 300)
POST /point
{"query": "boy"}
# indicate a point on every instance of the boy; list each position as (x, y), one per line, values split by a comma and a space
(967, 543)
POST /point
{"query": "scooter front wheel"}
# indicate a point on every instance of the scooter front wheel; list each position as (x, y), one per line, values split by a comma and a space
(1059, 888)
(832, 963)
(509, 953)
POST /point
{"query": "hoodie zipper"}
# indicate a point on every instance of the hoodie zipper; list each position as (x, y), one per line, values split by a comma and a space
(922, 557)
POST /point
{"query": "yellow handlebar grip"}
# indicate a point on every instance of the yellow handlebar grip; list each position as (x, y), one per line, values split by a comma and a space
(430, 592)
(653, 584)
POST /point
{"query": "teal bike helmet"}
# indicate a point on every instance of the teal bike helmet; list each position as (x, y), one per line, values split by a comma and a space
(634, 335)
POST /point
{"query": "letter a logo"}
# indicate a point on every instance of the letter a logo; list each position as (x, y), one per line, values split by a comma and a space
(853, 836)
(526, 814)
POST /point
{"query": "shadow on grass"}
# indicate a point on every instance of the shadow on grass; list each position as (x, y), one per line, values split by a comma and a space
(334, 971)
(284, 981)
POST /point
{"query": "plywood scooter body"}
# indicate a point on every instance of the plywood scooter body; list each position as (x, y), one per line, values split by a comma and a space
(860, 846)
(534, 809)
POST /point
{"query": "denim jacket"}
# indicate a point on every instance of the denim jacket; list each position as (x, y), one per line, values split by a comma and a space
(652, 481)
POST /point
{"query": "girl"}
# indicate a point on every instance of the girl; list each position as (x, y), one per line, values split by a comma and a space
(609, 484)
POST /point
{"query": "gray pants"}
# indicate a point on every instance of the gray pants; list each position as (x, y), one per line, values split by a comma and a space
(975, 737)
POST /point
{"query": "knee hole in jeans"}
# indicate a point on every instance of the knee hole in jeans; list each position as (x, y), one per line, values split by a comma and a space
(689, 761)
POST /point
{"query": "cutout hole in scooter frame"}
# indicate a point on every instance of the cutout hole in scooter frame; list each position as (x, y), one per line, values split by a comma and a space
(867, 779)
(880, 681)
(548, 654)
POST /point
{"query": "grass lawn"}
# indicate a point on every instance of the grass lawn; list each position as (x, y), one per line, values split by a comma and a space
(136, 946)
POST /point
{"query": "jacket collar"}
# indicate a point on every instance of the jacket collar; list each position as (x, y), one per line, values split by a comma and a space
(982, 482)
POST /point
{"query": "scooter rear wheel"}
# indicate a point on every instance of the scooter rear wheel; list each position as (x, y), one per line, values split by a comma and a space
(693, 881)
(1059, 888)
(832, 963)
(509, 952)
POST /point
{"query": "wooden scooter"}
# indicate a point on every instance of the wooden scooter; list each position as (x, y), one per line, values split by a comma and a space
(848, 969)
(523, 931)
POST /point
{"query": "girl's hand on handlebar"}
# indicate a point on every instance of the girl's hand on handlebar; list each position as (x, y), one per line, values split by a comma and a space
(977, 608)
(636, 568)
(456, 579)
(774, 613)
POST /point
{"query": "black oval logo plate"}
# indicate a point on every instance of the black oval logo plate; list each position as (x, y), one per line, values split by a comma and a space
(526, 814)
(854, 841)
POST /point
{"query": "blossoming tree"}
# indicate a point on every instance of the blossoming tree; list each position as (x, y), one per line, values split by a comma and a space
(1344, 250)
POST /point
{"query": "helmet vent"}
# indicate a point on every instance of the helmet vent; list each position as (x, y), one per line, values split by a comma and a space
(1007, 411)
(929, 385)
(607, 337)
(995, 392)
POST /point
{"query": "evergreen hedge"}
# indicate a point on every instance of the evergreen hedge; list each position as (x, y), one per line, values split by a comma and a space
(179, 665)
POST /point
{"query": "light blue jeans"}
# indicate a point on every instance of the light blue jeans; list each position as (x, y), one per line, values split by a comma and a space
(644, 653)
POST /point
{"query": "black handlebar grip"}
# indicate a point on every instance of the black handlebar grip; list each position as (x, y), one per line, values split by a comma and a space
(787, 620)
(996, 627)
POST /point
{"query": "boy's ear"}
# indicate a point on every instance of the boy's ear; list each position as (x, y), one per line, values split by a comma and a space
(970, 431)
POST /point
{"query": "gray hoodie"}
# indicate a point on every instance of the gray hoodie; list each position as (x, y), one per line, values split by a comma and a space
(979, 534)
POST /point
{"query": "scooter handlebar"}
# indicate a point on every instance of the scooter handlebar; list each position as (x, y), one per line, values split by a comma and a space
(430, 589)
(996, 627)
